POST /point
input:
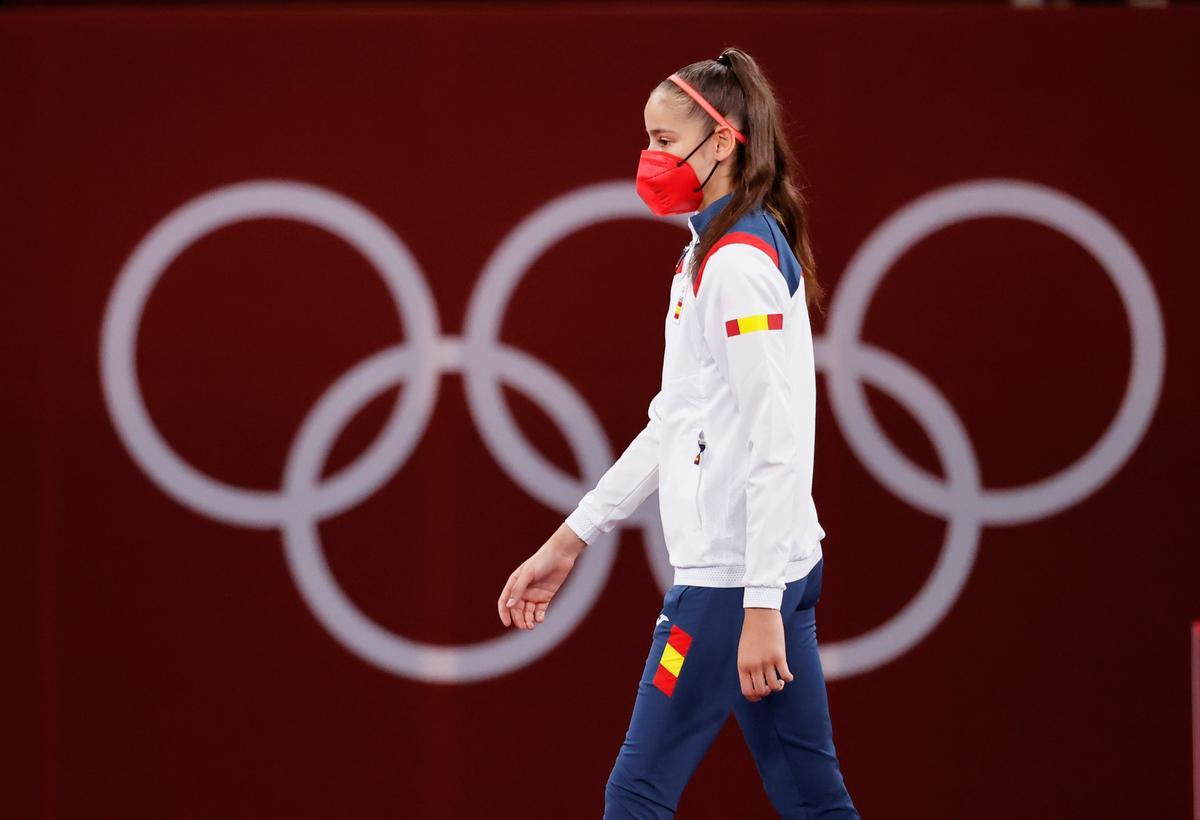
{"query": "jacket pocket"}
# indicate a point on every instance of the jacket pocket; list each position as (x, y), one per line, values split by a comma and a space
(699, 461)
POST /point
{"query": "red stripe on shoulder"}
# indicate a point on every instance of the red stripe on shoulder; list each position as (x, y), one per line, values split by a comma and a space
(735, 237)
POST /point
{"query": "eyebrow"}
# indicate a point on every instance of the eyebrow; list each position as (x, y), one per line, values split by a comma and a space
(654, 131)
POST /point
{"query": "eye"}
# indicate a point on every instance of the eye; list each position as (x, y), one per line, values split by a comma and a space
(663, 141)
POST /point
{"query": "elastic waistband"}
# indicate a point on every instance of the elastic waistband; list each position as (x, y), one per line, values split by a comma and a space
(731, 575)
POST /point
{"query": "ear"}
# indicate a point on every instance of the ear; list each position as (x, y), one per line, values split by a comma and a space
(726, 142)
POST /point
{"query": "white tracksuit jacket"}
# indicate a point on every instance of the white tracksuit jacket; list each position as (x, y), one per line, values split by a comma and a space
(729, 442)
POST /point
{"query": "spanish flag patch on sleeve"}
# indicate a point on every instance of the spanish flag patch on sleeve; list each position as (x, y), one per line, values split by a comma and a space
(671, 662)
(749, 324)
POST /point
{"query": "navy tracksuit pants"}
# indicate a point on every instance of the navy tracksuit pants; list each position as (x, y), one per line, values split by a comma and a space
(690, 685)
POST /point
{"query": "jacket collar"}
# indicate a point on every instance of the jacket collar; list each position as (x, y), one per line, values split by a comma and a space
(699, 220)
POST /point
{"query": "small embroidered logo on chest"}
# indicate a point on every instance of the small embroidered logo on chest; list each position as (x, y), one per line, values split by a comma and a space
(678, 309)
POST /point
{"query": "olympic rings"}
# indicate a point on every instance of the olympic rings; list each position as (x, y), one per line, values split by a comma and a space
(485, 361)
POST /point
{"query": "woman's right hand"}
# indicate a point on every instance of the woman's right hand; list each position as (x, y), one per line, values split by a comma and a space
(527, 594)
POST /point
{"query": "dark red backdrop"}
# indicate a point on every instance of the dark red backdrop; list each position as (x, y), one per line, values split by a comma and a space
(163, 663)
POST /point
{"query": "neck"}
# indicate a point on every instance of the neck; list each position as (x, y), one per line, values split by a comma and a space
(716, 189)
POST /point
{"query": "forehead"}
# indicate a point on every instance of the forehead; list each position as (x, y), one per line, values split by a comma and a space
(665, 113)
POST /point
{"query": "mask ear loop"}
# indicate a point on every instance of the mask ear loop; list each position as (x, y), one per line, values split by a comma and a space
(714, 165)
(707, 178)
(694, 150)
(697, 148)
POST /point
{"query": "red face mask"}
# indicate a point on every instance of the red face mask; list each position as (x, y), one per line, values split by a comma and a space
(668, 184)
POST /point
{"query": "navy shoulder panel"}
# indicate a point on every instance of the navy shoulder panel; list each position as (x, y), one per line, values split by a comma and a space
(759, 223)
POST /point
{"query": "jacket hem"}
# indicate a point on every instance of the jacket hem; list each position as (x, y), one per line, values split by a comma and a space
(763, 597)
(733, 575)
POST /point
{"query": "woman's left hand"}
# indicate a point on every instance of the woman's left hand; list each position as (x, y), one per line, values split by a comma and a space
(761, 652)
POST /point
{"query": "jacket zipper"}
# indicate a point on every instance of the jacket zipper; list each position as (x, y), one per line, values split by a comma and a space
(699, 476)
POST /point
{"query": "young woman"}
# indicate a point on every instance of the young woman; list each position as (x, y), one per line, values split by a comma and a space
(729, 447)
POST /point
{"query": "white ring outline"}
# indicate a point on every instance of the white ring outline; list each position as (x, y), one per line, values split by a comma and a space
(845, 357)
(298, 507)
(146, 265)
(303, 501)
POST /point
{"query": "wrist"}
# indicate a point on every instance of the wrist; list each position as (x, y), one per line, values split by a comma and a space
(566, 543)
(759, 612)
(579, 525)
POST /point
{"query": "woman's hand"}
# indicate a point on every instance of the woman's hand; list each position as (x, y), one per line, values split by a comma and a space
(525, 597)
(761, 651)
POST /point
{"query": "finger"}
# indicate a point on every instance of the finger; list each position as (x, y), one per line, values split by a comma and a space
(541, 611)
(747, 686)
(784, 672)
(774, 684)
(760, 681)
(524, 574)
(530, 607)
(505, 616)
(518, 614)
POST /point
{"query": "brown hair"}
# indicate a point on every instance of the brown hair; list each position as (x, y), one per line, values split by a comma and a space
(764, 164)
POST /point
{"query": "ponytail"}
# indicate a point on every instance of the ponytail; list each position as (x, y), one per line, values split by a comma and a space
(764, 164)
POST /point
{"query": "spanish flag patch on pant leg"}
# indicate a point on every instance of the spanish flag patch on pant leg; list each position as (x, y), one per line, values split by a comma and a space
(671, 662)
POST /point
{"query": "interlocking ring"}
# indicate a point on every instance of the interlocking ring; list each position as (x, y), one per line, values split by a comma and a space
(484, 360)
(965, 505)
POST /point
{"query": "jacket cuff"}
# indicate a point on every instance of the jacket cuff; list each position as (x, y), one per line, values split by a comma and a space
(582, 526)
(769, 597)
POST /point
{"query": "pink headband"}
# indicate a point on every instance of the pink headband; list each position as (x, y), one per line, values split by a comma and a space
(716, 115)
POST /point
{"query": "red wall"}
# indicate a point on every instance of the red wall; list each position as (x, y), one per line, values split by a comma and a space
(164, 662)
